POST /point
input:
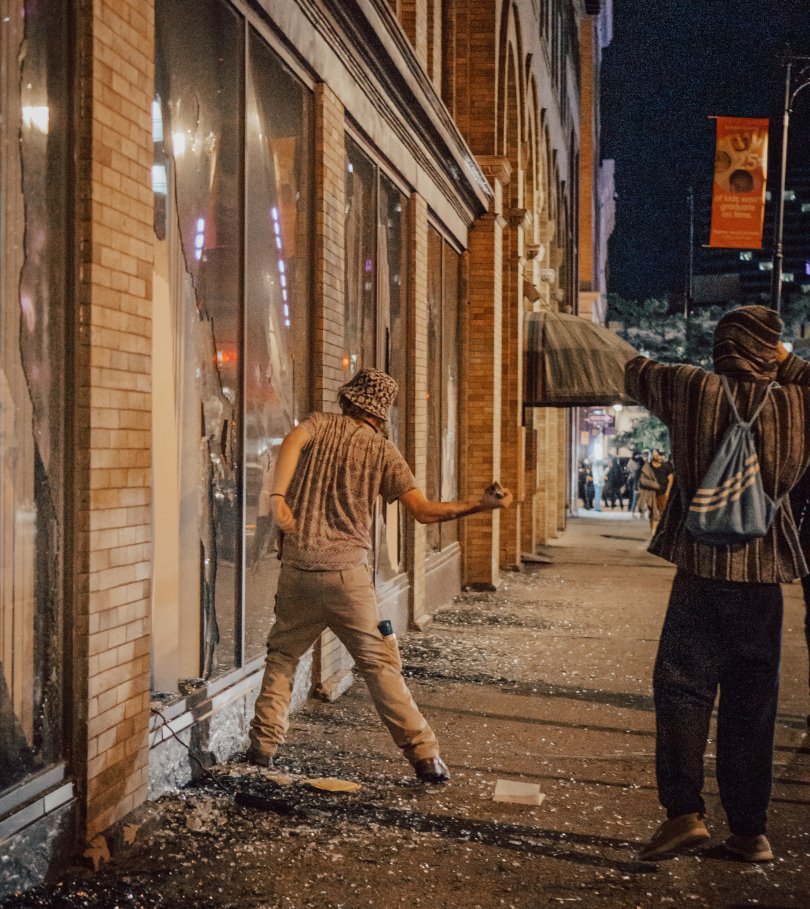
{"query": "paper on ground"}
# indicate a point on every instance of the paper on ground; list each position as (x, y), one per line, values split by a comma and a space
(519, 793)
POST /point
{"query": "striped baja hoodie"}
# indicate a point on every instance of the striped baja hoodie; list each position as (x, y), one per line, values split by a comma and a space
(692, 404)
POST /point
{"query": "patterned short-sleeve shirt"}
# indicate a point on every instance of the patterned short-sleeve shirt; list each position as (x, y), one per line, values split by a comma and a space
(343, 467)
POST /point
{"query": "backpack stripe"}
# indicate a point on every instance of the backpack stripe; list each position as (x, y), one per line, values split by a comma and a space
(720, 499)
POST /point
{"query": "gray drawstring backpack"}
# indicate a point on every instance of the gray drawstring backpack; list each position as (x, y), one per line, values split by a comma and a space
(731, 506)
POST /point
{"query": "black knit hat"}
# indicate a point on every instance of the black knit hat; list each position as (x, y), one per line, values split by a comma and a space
(745, 341)
(372, 390)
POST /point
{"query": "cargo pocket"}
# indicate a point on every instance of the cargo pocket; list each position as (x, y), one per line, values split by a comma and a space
(392, 645)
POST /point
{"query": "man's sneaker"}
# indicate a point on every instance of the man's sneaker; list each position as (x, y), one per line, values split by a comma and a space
(677, 833)
(432, 770)
(259, 758)
(750, 848)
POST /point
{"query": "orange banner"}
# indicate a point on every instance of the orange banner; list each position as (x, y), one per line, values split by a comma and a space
(738, 191)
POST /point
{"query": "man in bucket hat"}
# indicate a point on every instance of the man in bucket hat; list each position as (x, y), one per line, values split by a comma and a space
(330, 470)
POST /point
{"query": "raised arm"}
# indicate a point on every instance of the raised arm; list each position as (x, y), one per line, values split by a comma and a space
(427, 511)
(286, 463)
(792, 370)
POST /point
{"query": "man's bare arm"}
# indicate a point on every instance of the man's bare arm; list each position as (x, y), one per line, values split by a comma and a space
(286, 463)
(427, 511)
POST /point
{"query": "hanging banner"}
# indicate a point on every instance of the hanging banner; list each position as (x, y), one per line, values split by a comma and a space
(738, 191)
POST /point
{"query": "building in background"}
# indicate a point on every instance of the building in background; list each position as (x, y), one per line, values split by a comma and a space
(213, 213)
(743, 276)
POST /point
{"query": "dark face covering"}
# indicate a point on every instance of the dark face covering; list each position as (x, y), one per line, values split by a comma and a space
(745, 343)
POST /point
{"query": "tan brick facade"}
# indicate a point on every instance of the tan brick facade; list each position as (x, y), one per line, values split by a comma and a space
(417, 404)
(113, 523)
(464, 171)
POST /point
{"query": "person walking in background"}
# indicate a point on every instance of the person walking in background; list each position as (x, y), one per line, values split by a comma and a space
(664, 475)
(588, 480)
(632, 470)
(328, 475)
(648, 487)
(614, 483)
(723, 623)
(598, 483)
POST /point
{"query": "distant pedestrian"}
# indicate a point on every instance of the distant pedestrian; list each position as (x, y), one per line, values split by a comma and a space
(598, 483)
(329, 473)
(614, 483)
(632, 470)
(723, 624)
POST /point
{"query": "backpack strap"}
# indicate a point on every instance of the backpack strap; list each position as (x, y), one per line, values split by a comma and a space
(747, 423)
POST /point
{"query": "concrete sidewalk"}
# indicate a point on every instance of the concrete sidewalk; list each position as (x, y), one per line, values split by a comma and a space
(547, 681)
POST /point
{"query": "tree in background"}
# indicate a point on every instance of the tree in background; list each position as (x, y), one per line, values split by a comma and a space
(647, 433)
(657, 332)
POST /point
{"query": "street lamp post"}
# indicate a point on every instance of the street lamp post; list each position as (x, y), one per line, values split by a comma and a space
(795, 82)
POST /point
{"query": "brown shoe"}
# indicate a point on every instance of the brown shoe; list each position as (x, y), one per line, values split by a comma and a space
(676, 833)
(259, 758)
(432, 770)
(750, 848)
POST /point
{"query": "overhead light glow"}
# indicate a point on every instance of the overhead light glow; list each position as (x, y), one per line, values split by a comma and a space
(36, 117)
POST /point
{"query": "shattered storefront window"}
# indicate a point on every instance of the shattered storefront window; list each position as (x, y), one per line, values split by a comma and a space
(232, 188)
(279, 165)
(360, 311)
(442, 380)
(198, 88)
(33, 182)
(392, 256)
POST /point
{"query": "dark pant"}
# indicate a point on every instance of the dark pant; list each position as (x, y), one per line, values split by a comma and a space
(718, 634)
(806, 589)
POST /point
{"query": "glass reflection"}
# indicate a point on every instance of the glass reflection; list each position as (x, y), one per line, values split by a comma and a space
(278, 218)
(434, 373)
(33, 209)
(360, 314)
(392, 260)
(449, 385)
(444, 271)
(198, 81)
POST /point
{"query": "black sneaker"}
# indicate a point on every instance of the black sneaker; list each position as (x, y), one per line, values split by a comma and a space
(432, 770)
(259, 758)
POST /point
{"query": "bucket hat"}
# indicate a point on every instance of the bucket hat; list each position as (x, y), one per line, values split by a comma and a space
(372, 390)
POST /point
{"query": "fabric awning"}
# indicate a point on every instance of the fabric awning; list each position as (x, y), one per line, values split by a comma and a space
(571, 362)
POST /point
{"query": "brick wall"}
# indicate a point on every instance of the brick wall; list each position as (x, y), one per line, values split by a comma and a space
(332, 662)
(415, 534)
(481, 381)
(413, 16)
(113, 413)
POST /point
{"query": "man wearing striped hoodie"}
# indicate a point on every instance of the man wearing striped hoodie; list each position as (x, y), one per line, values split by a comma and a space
(723, 623)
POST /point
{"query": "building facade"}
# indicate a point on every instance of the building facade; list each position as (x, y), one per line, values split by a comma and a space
(213, 213)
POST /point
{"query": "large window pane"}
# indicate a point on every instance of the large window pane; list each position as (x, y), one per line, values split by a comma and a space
(199, 87)
(449, 386)
(442, 381)
(360, 320)
(392, 278)
(279, 165)
(434, 379)
(33, 180)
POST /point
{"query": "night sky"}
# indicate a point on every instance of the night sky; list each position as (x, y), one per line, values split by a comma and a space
(669, 67)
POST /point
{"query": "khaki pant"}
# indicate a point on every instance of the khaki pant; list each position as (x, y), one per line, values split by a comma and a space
(344, 601)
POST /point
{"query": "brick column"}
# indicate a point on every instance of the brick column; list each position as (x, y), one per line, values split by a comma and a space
(513, 436)
(413, 16)
(328, 260)
(481, 385)
(113, 407)
(415, 535)
(331, 662)
(551, 456)
(564, 446)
